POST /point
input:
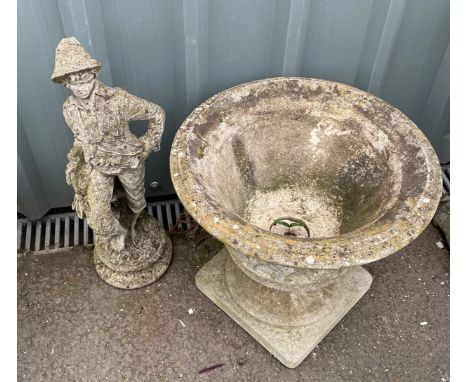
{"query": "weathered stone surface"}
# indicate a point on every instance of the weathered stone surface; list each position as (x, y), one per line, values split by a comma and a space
(349, 177)
(141, 262)
(294, 322)
(106, 169)
(71, 57)
(359, 172)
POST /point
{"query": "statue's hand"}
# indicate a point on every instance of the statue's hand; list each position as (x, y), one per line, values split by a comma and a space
(152, 139)
(147, 148)
(79, 206)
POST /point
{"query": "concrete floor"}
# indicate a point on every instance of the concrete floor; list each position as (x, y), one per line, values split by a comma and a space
(74, 327)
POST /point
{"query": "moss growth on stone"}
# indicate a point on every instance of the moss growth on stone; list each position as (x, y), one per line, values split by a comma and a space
(243, 163)
(201, 151)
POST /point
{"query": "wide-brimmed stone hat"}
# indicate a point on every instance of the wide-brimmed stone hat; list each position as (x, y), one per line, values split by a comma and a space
(71, 57)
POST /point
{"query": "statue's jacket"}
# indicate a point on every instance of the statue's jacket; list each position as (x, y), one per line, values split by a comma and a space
(101, 127)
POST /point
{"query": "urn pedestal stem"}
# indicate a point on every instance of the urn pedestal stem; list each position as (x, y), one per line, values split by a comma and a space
(288, 320)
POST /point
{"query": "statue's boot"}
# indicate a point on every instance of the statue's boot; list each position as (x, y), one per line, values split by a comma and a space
(117, 241)
(132, 227)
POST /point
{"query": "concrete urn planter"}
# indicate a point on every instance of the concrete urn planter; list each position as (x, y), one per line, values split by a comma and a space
(303, 180)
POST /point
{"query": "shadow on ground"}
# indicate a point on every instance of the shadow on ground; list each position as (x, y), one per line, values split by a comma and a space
(74, 327)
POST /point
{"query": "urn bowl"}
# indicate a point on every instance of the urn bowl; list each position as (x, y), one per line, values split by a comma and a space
(305, 173)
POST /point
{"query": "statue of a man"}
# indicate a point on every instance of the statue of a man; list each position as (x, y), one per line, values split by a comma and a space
(104, 149)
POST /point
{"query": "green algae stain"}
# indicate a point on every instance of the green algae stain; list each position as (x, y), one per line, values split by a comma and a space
(243, 163)
(201, 151)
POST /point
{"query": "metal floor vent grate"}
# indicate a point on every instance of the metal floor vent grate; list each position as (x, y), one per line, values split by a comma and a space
(64, 231)
(446, 177)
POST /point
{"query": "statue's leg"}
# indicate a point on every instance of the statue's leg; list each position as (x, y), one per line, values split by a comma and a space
(100, 216)
(133, 183)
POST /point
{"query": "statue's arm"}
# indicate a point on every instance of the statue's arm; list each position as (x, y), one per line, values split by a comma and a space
(138, 109)
(77, 171)
(77, 176)
(68, 116)
(75, 155)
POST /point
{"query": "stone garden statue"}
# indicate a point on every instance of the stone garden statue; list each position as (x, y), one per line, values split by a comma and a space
(107, 168)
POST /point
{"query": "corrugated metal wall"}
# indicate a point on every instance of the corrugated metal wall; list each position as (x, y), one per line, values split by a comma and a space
(177, 53)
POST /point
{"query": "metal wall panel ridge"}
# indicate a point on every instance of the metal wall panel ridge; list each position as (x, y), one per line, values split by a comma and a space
(178, 53)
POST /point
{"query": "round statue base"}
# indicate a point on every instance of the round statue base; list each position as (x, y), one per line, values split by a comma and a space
(143, 260)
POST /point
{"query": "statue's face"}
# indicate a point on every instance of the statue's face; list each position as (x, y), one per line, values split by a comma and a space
(81, 84)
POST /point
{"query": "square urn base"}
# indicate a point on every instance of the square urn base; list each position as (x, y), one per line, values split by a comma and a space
(289, 344)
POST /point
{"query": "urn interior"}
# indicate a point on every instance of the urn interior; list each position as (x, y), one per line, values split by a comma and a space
(332, 172)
